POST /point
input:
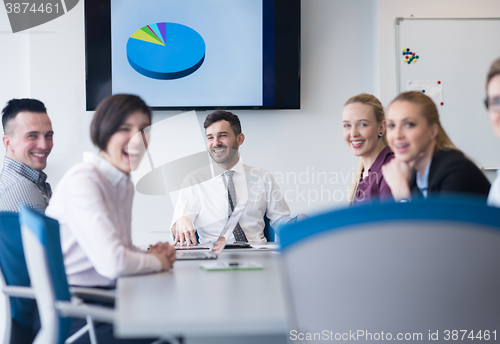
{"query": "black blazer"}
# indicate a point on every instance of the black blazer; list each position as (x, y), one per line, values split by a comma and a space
(451, 173)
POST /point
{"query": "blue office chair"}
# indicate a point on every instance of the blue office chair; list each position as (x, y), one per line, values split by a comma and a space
(398, 268)
(22, 321)
(21, 318)
(42, 246)
(268, 230)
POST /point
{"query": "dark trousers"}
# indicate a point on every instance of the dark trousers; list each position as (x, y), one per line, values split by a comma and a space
(21, 335)
(104, 331)
(104, 334)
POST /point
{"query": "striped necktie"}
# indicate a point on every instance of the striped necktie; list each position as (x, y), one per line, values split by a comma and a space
(239, 235)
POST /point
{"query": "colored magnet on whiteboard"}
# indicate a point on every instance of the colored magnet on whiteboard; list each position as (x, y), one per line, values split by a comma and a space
(439, 82)
(409, 56)
(442, 103)
(423, 91)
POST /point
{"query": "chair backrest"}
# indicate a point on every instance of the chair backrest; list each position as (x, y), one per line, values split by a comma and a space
(13, 272)
(268, 230)
(404, 269)
(42, 247)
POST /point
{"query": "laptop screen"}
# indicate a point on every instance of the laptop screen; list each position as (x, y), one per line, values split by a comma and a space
(228, 228)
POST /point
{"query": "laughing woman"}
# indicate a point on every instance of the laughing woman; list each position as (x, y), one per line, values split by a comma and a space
(93, 204)
(426, 162)
(364, 126)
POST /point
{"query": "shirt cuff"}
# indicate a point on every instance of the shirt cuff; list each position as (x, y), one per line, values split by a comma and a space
(152, 261)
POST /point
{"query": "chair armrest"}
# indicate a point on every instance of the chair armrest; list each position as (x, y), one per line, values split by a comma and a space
(17, 291)
(94, 295)
(99, 313)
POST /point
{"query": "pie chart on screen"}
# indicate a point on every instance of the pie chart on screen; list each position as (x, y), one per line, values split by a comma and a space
(165, 51)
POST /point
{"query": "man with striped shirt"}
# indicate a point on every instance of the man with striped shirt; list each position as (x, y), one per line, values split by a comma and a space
(28, 142)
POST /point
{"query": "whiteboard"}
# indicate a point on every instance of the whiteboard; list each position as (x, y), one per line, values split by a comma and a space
(457, 52)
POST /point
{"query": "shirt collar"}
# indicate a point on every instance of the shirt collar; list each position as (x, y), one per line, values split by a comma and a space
(111, 173)
(423, 181)
(37, 177)
(239, 168)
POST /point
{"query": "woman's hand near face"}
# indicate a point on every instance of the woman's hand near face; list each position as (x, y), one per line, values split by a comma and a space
(397, 174)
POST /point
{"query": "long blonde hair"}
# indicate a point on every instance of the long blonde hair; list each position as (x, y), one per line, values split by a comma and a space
(378, 112)
(430, 113)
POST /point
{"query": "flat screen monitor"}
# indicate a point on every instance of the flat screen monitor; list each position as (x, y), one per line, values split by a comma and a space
(194, 54)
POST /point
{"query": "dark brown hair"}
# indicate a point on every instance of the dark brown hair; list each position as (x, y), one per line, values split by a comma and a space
(494, 71)
(14, 106)
(221, 115)
(110, 115)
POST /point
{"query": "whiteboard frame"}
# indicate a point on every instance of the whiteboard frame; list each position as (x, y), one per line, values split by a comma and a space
(398, 45)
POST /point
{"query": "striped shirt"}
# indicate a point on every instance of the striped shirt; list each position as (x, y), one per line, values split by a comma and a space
(20, 184)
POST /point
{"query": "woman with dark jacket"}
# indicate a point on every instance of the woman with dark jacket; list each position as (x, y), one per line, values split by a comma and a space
(426, 162)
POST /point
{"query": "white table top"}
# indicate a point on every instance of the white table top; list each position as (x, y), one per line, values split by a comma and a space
(188, 301)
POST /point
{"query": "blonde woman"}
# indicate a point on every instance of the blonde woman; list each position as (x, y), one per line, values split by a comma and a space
(426, 162)
(363, 122)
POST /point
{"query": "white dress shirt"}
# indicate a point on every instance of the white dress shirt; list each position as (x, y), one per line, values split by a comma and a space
(204, 200)
(93, 204)
(494, 195)
(423, 181)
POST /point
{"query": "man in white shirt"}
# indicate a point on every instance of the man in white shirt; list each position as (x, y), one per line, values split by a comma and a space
(206, 198)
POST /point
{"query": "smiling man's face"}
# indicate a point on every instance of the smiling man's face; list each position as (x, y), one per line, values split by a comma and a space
(223, 144)
(28, 139)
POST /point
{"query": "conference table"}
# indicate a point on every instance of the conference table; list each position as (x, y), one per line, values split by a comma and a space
(207, 306)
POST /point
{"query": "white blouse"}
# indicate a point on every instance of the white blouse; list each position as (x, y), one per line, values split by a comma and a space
(93, 204)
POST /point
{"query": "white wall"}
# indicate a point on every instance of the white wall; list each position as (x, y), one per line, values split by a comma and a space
(388, 10)
(336, 63)
(347, 48)
(297, 145)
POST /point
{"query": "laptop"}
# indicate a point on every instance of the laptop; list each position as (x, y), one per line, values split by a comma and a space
(212, 251)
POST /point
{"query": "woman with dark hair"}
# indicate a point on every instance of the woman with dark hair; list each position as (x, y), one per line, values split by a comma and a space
(93, 202)
(492, 103)
(364, 130)
(426, 162)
